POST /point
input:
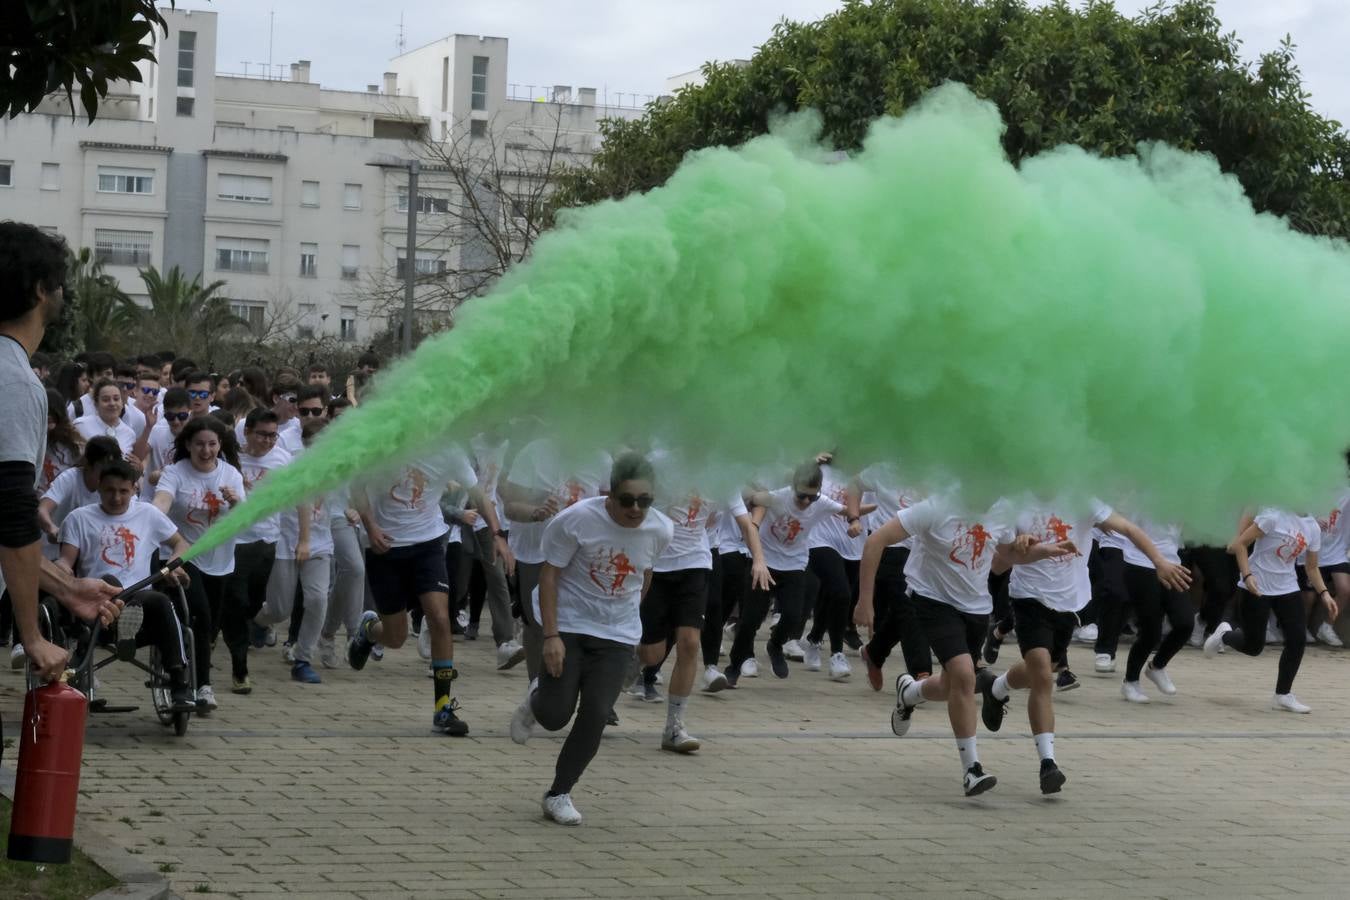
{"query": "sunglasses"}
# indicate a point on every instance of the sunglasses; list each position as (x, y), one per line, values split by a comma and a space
(808, 498)
(309, 411)
(149, 391)
(628, 501)
(199, 395)
(127, 385)
(289, 398)
(177, 417)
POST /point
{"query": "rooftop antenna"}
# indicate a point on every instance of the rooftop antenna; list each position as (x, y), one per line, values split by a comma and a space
(271, 29)
(401, 43)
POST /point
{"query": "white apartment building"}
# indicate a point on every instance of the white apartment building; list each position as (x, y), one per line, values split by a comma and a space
(291, 193)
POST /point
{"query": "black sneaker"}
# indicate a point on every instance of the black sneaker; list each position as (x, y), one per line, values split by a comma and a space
(446, 722)
(613, 717)
(1052, 779)
(901, 714)
(853, 640)
(993, 709)
(733, 674)
(1066, 681)
(992, 644)
(777, 661)
(976, 781)
(181, 698)
(471, 633)
(359, 647)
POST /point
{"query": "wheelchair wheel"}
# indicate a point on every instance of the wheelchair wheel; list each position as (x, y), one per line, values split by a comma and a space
(50, 631)
(159, 689)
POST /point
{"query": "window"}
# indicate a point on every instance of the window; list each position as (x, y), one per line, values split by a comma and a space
(185, 105)
(309, 260)
(426, 203)
(351, 261)
(309, 193)
(428, 265)
(305, 328)
(244, 188)
(122, 248)
(114, 180)
(477, 128)
(351, 196)
(187, 52)
(6, 174)
(251, 312)
(241, 255)
(478, 89)
(347, 324)
(51, 176)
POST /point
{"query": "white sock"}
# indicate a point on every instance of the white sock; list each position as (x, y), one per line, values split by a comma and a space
(674, 710)
(912, 695)
(1045, 744)
(969, 755)
(1000, 689)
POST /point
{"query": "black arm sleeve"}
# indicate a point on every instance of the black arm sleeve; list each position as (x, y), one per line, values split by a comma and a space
(18, 505)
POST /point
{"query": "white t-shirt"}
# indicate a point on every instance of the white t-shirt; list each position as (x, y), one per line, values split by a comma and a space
(488, 460)
(729, 538)
(1061, 583)
(785, 533)
(407, 506)
(56, 460)
(93, 426)
(689, 548)
(882, 482)
(320, 531)
(1335, 529)
(290, 436)
(161, 455)
(538, 467)
(832, 531)
(134, 418)
(198, 502)
(120, 546)
(68, 492)
(957, 551)
(255, 469)
(602, 566)
(1167, 538)
(1285, 538)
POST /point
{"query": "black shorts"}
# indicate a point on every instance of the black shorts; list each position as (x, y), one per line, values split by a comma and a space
(1327, 572)
(1040, 627)
(950, 631)
(403, 574)
(675, 600)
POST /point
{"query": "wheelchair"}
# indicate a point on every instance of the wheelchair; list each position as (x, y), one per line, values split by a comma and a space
(83, 641)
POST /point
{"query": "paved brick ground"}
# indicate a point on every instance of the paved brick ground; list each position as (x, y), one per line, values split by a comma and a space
(341, 791)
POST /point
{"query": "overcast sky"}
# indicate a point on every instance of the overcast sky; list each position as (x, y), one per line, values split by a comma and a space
(632, 46)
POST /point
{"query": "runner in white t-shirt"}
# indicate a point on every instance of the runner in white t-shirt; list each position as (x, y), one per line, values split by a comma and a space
(949, 582)
(836, 548)
(106, 420)
(599, 557)
(1270, 584)
(405, 566)
(116, 538)
(1335, 565)
(73, 488)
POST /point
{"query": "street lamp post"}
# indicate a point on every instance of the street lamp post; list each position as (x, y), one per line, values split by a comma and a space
(410, 272)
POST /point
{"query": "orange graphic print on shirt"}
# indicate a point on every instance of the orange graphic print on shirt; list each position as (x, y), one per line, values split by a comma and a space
(690, 517)
(969, 545)
(1328, 524)
(250, 483)
(118, 546)
(1293, 547)
(208, 502)
(573, 492)
(609, 569)
(49, 471)
(786, 529)
(409, 489)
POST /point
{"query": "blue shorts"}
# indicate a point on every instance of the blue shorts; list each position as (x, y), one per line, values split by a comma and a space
(403, 574)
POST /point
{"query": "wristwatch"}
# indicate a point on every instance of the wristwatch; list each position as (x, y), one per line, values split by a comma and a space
(501, 533)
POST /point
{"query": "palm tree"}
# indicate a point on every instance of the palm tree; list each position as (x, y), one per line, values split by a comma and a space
(185, 315)
(104, 314)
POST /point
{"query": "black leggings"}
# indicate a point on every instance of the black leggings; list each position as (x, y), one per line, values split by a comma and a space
(789, 590)
(205, 597)
(714, 613)
(1111, 600)
(593, 672)
(245, 593)
(1151, 602)
(894, 619)
(1219, 570)
(838, 586)
(1253, 612)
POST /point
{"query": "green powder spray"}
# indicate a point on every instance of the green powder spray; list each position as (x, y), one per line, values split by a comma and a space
(1113, 328)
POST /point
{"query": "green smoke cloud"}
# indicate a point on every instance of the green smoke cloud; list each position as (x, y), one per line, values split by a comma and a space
(1110, 327)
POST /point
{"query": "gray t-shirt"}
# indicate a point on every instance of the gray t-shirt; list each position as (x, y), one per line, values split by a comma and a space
(23, 408)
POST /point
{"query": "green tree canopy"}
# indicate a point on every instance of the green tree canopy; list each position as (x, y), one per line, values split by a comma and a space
(1060, 75)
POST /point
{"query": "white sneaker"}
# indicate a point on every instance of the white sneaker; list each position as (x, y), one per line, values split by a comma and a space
(561, 810)
(1104, 663)
(678, 740)
(288, 653)
(328, 657)
(17, 658)
(840, 670)
(811, 656)
(1289, 703)
(1214, 643)
(1273, 633)
(1086, 634)
(522, 720)
(749, 669)
(462, 619)
(1327, 635)
(424, 640)
(509, 654)
(1160, 678)
(1197, 638)
(1131, 692)
(206, 698)
(793, 651)
(714, 680)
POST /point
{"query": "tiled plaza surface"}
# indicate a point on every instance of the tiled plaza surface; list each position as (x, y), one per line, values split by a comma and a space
(341, 791)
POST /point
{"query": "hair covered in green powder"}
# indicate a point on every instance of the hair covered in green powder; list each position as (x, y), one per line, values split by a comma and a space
(1074, 327)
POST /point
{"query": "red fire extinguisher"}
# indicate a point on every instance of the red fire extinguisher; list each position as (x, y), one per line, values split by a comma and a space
(47, 783)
